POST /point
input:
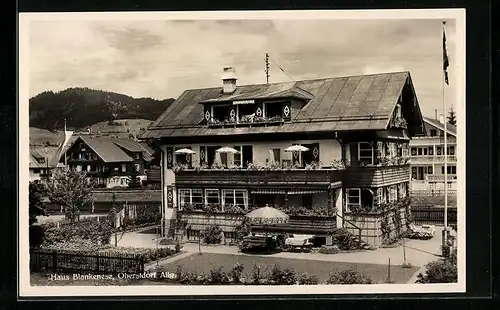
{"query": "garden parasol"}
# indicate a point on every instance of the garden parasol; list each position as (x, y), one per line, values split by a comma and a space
(185, 151)
(296, 148)
(227, 150)
(267, 215)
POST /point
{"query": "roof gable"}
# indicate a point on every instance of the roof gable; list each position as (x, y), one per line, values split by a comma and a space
(451, 129)
(105, 149)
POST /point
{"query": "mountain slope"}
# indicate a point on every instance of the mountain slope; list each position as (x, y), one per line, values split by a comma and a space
(82, 107)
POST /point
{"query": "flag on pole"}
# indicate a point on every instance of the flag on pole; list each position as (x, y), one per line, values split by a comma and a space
(445, 56)
(60, 149)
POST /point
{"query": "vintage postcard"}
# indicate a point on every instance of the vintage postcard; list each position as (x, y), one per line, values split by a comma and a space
(242, 153)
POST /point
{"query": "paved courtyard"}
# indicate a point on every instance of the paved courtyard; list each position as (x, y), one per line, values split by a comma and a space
(418, 252)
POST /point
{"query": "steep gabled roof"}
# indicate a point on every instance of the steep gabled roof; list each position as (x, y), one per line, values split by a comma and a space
(128, 144)
(451, 129)
(364, 102)
(105, 149)
(37, 153)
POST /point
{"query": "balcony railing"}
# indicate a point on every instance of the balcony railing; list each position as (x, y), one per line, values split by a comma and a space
(255, 121)
(433, 159)
(440, 178)
(259, 177)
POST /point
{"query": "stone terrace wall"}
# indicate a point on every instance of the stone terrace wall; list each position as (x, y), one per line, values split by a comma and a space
(373, 225)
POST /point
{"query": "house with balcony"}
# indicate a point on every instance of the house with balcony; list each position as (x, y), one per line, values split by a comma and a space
(428, 157)
(109, 162)
(332, 153)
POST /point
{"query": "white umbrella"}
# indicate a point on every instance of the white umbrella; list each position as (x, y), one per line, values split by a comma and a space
(227, 150)
(185, 151)
(266, 216)
(296, 148)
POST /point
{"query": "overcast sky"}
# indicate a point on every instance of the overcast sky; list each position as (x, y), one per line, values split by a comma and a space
(160, 59)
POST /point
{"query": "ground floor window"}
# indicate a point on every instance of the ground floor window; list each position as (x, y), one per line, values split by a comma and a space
(402, 190)
(393, 193)
(212, 196)
(353, 198)
(192, 197)
(235, 197)
(359, 198)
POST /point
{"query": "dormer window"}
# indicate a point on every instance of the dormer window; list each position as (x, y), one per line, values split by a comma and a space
(41, 160)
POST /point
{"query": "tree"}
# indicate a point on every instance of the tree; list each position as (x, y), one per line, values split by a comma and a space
(70, 189)
(36, 205)
(36, 208)
(135, 182)
(452, 118)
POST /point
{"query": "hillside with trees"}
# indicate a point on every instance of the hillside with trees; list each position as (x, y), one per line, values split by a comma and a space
(82, 107)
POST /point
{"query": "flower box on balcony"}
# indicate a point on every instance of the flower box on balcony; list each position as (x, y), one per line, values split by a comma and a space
(258, 177)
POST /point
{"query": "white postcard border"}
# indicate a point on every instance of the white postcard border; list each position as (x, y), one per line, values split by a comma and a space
(458, 65)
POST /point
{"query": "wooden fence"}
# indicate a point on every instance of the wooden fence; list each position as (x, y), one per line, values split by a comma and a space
(100, 263)
(433, 215)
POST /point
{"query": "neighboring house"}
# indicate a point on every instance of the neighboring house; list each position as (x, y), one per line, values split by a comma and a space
(110, 162)
(356, 130)
(427, 156)
(41, 164)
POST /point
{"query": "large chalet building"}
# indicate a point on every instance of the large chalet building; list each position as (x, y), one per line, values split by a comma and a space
(352, 172)
(427, 157)
(109, 162)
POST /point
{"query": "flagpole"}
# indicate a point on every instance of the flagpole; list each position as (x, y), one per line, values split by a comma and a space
(445, 142)
(65, 159)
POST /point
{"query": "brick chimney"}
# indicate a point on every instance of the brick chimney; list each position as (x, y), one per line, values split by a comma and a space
(229, 80)
(441, 118)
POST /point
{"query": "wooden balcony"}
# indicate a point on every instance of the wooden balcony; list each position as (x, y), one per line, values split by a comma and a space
(376, 176)
(436, 159)
(251, 178)
(440, 178)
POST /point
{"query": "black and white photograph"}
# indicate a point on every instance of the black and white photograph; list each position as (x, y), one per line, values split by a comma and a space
(242, 153)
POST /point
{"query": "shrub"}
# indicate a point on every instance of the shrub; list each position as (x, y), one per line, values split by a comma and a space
(96, 232)
(305, 279)
(256, 274)
(188, 278)
(442, 271)
(179, 272)
(345, 242)
(349, 276)
(236, 272)
(218, 276)
(213, 235)
(36, 236)
(282, 277)
(243, 229)
(329, 249)
(178, 247)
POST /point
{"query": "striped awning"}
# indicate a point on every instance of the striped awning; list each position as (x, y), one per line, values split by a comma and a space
(337, 184)
(268, 191)
(306, 191)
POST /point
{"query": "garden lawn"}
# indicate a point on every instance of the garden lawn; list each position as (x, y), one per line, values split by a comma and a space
(205, 262)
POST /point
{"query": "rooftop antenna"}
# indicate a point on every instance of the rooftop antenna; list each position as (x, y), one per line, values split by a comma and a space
(267, 68)
(283, 70)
